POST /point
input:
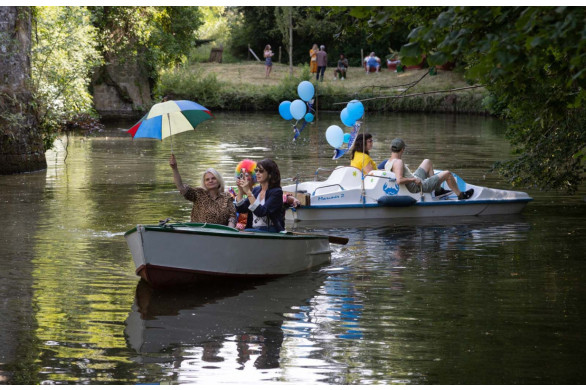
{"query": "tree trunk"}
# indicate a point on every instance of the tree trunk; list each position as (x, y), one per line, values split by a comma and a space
(21, 141)
(291, 41)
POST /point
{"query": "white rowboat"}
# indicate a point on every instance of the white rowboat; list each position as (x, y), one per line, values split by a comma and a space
(171, 254)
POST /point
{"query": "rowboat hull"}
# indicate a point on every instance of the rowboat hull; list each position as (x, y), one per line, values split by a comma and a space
(344, 196)
(186, 253)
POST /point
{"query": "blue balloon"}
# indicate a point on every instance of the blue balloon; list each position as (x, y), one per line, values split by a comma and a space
(347, 138)
(305, 90)
(309, 117)
(284, 110)
(335, 136)
(356, 109)
(298, 109)
(347, 120)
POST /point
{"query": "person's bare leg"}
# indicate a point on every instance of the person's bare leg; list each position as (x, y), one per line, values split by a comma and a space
(427, 167)
(451, 180)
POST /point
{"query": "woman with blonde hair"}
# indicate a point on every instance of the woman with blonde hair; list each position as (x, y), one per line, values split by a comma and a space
(210, 203)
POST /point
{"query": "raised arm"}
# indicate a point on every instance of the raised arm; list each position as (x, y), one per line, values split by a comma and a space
(176, 176)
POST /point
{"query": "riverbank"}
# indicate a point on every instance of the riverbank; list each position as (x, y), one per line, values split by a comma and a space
(244, 87)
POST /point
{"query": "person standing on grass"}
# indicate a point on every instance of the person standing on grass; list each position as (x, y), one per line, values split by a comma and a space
(322, 62)
(268, 54)
(313, 58)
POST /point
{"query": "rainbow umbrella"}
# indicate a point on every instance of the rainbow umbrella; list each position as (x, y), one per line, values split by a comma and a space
(168, 118)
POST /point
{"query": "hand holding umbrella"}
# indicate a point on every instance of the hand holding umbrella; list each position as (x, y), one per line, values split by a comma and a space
(173, 162)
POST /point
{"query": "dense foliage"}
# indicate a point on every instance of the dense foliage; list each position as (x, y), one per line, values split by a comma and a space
(533, 62)
(63, 54)
(156, 37)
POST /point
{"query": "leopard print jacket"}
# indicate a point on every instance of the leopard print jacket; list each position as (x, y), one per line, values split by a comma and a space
(206, 209)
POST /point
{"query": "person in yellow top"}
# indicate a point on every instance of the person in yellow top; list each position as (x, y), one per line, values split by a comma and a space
(360, 153)
(313, 59)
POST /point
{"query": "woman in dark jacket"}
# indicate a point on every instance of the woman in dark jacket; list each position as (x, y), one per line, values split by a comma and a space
(264, 203)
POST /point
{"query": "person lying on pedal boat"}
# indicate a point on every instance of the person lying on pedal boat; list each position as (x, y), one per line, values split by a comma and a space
(423, 179)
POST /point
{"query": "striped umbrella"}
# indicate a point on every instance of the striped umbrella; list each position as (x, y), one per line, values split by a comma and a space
(168, 118)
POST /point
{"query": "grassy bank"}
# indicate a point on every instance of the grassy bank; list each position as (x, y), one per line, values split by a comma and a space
(244, 87)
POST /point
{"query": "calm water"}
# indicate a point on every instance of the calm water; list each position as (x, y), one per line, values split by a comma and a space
(496, 300)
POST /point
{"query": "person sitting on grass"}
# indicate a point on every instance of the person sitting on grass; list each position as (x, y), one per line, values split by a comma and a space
(372, 63)
(423, 179)
(342, 67)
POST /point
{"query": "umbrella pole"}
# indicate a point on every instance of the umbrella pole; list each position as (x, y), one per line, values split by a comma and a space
(170, 133)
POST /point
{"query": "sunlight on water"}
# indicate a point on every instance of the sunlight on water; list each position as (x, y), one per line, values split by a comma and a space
(471, 300)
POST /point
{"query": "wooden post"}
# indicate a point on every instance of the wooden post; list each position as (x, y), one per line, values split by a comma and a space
(280, 54)
(248, 56)
(316, 105)
(362, 58)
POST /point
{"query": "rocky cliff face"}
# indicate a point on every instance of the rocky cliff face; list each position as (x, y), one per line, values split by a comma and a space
(21, 142)
(121, 89)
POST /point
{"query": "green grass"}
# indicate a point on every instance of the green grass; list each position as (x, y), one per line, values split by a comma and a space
(243, 86)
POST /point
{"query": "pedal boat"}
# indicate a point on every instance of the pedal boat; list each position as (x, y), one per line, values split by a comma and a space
(345, 195)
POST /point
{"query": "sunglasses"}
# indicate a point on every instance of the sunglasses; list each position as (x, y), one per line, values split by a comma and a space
(259, 170)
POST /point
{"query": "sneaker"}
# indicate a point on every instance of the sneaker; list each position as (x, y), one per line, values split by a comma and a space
(442, 192)
(466, 194)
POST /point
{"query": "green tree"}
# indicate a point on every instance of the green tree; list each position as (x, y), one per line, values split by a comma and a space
(532, 60)
(254, 26)
(338, 28)
(158, 37)
(63, 55)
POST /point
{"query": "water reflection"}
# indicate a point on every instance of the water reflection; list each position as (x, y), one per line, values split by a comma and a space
(235, 325)
(388, 291)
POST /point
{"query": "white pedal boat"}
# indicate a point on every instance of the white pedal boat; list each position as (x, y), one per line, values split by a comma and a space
(344, 195)
(168, 255)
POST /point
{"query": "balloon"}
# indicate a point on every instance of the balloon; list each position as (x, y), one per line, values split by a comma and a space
(356, 109)
(305, 90)
(347, 120)
(346, 138)
(285, 111)
(298, 109)
(309, 117)
(335, 136)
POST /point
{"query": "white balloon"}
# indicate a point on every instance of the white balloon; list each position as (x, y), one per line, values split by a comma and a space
(335, 136)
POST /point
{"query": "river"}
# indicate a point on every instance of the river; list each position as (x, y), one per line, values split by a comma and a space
(497, 300)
